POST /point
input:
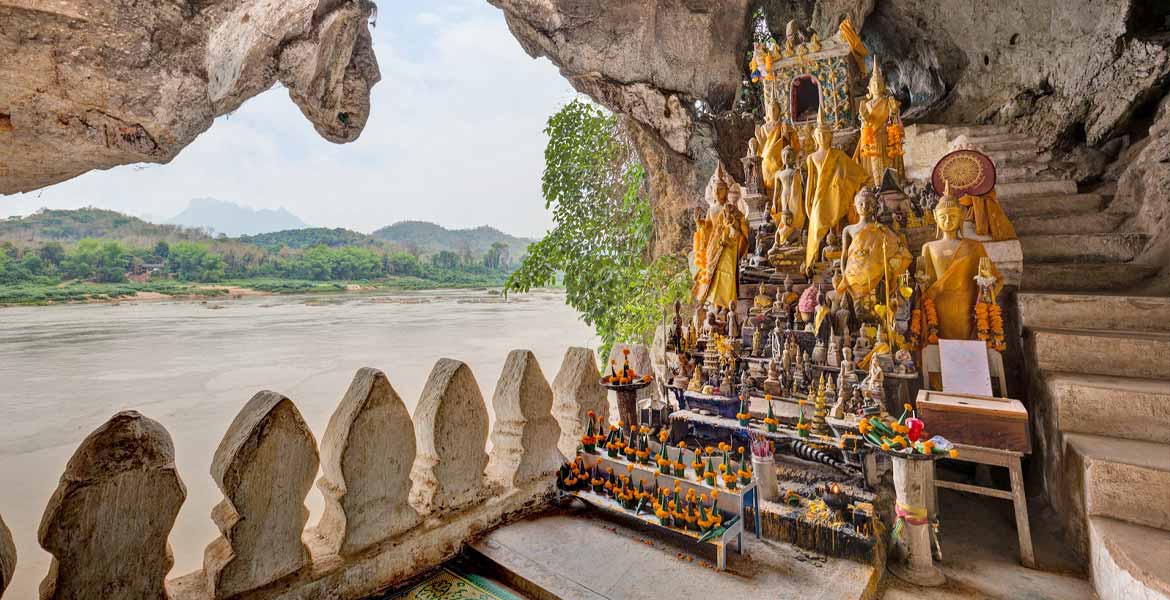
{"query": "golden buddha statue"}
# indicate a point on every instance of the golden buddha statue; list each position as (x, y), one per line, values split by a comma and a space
(762, 302)
(951, 264)
(772, 138)
(833, 180)
(786, 253)
(788, 193)
(706, 222)
(832, 250)
(880, 147)
(728, 241)
(864, 246)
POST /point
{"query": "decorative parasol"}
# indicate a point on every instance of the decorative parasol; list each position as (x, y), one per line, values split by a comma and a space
(970, 173)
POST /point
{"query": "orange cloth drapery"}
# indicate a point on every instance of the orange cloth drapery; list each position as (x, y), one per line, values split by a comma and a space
(989, 216)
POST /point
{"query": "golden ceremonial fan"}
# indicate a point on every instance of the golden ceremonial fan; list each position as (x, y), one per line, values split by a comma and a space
(970, 173)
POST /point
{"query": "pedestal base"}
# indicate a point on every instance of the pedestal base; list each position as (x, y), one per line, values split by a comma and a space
(925, 577)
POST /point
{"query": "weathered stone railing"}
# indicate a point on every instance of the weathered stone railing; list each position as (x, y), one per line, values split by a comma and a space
(402, 493)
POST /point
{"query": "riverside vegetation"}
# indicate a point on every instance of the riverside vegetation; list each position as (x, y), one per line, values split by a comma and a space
(93, 254)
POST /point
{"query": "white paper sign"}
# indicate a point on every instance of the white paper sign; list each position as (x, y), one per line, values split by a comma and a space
(964, 367)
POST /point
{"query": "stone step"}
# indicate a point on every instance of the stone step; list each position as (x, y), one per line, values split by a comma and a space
(974, 130)
(1129, 561)
(1085, 277)
(1121, 407)
(1128, 480)
(993, 143)
(1025, 172)
(1024, 156)
(1058, 205)
(1141, 354)
(1084, 222)
(1082, 248)
(1036, 188)
(1094, 311)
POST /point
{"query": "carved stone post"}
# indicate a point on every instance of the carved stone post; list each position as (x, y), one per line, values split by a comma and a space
(451, 430)
(525, 435)
(265, 467)
(576, 391)
(366, 456)
(107, 523)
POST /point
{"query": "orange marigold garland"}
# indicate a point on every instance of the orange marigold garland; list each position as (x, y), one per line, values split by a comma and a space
(868, 141)
(931, 320)
(894, 138)
(989, 325)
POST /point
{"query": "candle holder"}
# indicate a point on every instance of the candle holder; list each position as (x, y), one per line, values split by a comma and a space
(835, 499)
(627, 396)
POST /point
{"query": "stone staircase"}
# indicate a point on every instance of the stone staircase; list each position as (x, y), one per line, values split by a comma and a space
(1069, 239)
(1099, 360)
(1101, 390)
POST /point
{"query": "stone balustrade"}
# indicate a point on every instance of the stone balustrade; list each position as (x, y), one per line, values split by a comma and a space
(402, 492)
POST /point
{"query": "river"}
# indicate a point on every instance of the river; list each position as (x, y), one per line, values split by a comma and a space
(191, 366)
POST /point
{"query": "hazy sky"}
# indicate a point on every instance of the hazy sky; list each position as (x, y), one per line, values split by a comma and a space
(455, 137)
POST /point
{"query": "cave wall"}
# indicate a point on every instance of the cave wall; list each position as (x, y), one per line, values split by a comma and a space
(91, 84)
(1074, 74)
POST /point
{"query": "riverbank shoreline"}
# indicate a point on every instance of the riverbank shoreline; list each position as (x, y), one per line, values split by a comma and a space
(118, 294)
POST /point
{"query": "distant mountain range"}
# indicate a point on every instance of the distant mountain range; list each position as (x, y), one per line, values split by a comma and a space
(417, 237)
(233, 220)
(428, 238)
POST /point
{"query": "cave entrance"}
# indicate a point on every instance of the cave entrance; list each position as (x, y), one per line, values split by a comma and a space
(806, 98)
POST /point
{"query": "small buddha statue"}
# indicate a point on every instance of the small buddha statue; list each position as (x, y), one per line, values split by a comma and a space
(772, 384)
(696, 381)
(875, 384)
(904, 361)
(820, 352)
(832, 250)
(758, 342)
(833, 358)
(787, 297)
(847, 376)
(762, 302)
(951, 266)
(871, 252)
(863, 345)
(776, 339)
(822, 322)
(734, 329)
(676, 327)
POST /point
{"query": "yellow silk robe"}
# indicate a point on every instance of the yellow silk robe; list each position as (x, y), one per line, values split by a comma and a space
(828, 198)
(863, 264)
(955, 292)
(989, 216)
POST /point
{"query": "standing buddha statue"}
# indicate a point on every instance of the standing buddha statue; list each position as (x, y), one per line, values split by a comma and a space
(870, 251)
(833, 180)
(951, 265)
(880, 147)
(727, 245)
(772, 138)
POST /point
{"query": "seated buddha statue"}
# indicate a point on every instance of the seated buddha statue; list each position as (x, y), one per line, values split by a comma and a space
(864, 246)
(762, 302)
(832, 250)
(786, 251)
(951, 266)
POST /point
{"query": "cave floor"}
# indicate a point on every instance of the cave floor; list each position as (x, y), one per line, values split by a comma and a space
(576, 553)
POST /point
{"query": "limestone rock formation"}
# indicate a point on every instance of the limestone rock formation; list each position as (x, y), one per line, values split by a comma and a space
(265, 467)
(98, 83)
(1143, 189)
(525, 434)
(451, 431)
(366, 456)
(107, 523)
(673, 67)
(576, 391)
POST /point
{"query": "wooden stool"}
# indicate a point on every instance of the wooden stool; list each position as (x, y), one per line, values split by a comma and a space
(996, 458)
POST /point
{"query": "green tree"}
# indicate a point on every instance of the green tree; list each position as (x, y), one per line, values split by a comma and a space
(162, 249)
(104, 261)
(191, 261)
(497, 256)
(52, 253)
(595, 186)
(446, 259)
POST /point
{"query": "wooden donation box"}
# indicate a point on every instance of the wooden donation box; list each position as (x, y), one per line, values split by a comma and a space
(971, 420)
